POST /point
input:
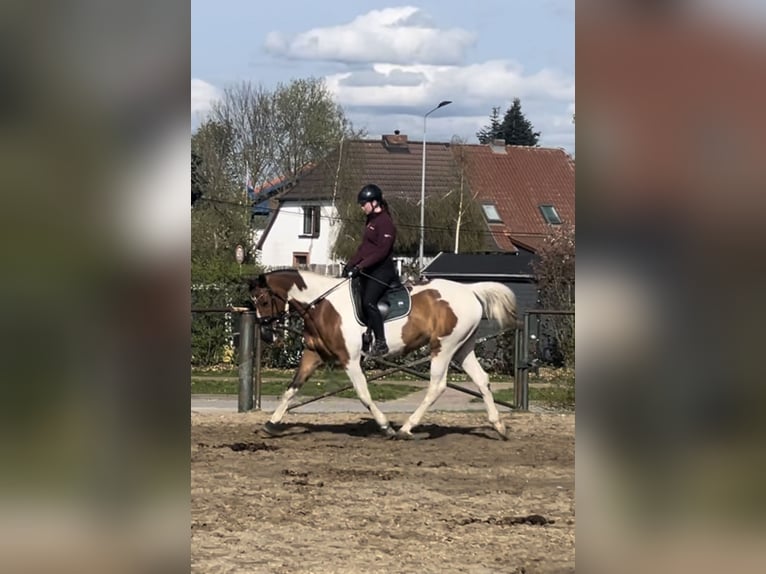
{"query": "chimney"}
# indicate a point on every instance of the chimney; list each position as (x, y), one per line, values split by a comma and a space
(396, 141)
(497, 146)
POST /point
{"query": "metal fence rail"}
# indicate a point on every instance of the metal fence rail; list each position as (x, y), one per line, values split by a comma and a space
(250, 349)
(249, 396)
(521, 362)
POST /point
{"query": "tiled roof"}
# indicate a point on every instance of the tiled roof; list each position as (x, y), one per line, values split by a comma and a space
(397, 170)
(517, 182)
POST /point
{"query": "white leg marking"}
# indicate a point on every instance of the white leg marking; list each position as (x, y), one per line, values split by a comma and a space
(356, 375)
(283, 405)
(479, 376)
(309, 362)
(436, 386)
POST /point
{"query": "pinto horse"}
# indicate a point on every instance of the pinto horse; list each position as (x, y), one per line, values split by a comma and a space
(444, 315)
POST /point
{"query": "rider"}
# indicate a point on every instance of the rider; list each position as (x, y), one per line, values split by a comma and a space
(375, 257)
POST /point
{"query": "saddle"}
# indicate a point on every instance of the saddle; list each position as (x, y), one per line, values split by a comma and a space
(394, 304)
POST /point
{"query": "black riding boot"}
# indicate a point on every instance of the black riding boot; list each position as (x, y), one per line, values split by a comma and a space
(379, 348)
(375, 321)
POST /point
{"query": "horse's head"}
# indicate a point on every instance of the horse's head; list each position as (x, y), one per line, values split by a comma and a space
(270, 304)
(270, 295)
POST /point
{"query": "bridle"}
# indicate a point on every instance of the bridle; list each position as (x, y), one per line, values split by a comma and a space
(280, 318)
(276, 316)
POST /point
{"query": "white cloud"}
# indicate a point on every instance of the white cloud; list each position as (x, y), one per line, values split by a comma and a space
(203, 95)
(547, 98)
(489, 84)
(373, 77)
(501, 79)
(402, 34)
(412, 65)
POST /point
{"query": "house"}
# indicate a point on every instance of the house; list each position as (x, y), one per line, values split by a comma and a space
(522, 192)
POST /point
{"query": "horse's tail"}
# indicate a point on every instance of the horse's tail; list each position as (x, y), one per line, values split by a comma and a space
(499, 301)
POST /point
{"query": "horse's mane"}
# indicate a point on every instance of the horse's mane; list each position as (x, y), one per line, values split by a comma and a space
(281, 270)
(316, 279)
(260, 279)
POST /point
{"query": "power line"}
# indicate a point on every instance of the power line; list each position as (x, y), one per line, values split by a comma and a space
(400, 225)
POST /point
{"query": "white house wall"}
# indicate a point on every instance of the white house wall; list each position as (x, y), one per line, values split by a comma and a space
(284, 238)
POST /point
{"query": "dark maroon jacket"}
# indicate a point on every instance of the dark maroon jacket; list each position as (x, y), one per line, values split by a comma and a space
(377, 242)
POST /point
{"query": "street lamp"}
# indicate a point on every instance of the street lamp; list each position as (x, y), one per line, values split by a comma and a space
(423, 181)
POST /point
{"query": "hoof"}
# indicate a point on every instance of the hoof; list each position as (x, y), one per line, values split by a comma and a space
(503, 433)
(388, 431)
(410, 436)
(271, 429)
(401, 435)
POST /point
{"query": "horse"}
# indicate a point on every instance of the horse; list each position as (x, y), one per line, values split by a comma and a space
(444, 315)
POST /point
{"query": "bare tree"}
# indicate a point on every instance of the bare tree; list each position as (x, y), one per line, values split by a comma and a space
(555, 274)
(276, 134)
(466, 206)
(258, 135)
(247, 111)
(306, 125)
(220, 216)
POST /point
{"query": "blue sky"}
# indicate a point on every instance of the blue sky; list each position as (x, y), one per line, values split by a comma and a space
(388, 63)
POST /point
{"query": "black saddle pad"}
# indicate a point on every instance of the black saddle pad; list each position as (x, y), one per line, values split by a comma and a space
(394, 304)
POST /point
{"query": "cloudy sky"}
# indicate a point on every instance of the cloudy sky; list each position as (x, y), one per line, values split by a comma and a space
(388, 63)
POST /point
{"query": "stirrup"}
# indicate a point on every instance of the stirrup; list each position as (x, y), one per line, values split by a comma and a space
(378, 349)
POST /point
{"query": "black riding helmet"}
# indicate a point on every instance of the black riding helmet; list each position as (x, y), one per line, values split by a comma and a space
(369, 192)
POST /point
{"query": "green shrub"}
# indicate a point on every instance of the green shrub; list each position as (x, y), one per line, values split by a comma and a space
(558, 390)
(214, 334)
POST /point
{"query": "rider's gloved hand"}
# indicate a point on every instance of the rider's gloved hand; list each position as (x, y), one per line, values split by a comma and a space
(352, 271)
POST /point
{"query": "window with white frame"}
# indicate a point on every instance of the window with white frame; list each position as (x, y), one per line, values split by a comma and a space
(311, 221)
(490, 212)
(550, 214)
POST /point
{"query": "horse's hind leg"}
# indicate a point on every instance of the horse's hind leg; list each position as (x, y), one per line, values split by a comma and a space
(356, 375)
(309, 363)
(471, 366)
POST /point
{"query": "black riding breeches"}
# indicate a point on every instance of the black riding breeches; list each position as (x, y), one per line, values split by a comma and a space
(372, 291)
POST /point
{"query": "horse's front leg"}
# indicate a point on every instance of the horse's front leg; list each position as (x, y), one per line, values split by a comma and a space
(436, 386)
(356, 375)
(310, 360)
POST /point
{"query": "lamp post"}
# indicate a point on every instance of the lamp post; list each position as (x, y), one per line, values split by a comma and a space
(423, 181)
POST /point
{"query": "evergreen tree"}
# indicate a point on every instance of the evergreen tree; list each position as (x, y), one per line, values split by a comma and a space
(493, 130)
(517, 129)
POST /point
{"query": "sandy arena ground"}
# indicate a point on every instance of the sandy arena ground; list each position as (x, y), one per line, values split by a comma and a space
(333, 496)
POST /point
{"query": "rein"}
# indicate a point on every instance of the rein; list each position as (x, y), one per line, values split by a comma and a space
(373, 278)
(283, 315)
